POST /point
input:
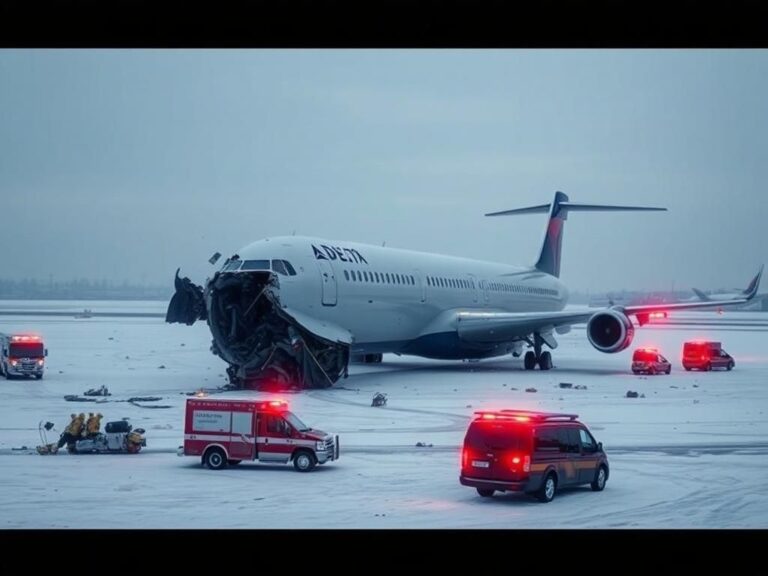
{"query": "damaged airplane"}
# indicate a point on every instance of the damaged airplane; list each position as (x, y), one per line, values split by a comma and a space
(294, 310)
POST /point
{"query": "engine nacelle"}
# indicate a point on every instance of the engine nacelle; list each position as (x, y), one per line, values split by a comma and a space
(610, 331)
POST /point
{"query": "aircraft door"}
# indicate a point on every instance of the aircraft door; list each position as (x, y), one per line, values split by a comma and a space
(243, 441)
(328, 279)
(420, 285)
(484, 288)
(474, 287)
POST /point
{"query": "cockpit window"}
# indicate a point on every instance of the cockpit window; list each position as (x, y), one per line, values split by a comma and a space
(291, 271)
(255, 265)
(232, 265)
(279, 267)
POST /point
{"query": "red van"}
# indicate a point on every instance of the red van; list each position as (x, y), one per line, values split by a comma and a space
(533, 452)
(705, 356)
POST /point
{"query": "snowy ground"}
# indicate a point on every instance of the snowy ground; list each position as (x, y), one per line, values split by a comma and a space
(691, 453)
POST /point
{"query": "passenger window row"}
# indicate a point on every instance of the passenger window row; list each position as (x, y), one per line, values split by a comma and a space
(379, 277)
(459, 283)
(517, 289)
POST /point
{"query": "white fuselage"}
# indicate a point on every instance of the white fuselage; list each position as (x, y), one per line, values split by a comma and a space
(389, 299)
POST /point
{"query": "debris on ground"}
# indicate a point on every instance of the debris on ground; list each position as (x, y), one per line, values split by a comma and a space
(379, 399)
(110, 338)
(695, 385)
(423, 445)
(103, 391)
(512, 388)
(161, 367)
(136, 403)
(20, 448)
(695, 401)
(469, 406)
(632, 394)
(531, 390)
(143, 399)
(580, 387)
(76, 398)
(565, 385)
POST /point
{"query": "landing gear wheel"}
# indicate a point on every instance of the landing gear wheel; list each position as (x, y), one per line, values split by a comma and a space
(599, 482)
(215, 459)
(304, 461)
(548, 488)
(545, 361)
(485, 492)
(529, 360)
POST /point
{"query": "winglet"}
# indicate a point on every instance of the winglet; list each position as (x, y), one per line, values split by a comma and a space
(751, 289)
(701, 296)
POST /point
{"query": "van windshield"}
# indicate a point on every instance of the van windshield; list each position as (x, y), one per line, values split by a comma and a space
(295, 422)
(33, 350)
(496, 436)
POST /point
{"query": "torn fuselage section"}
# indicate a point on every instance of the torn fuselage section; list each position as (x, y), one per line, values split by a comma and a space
(262, 343)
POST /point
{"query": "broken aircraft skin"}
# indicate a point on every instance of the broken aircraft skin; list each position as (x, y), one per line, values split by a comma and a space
(261, 343)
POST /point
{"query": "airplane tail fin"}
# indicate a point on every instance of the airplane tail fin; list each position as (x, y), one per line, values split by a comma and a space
(551, 247)
(751, 290)
(701, 296)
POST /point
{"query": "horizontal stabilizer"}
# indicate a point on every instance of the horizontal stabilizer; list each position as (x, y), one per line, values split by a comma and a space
(574, 207)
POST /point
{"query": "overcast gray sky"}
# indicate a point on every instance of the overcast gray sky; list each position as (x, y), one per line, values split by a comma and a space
(124, 164)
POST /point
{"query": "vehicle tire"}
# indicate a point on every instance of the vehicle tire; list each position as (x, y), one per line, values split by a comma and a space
(651, 371)
(708, 367)
(38, 376)
(545, 361)
(215, 459)
(687, 368)
(669, 370)
(600, 479)
(529, 360)
(485, 492)
(730, 366)
(233, 462)
(548, 488)
(304, 461)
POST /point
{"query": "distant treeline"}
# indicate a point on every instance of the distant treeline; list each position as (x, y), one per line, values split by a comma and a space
(81, 289)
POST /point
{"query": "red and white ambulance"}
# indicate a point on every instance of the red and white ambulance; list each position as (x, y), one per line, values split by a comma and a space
(226, 431)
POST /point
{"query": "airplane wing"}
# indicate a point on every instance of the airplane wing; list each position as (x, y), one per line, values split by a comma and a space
(507, 326)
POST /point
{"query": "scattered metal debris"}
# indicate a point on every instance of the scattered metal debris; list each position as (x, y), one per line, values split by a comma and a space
(565, 385)
(379, 399)
(423, 445)
(161, 367)
(103, 391)
(76, 398)
(580, 387)
(632, 394)
(531, 389)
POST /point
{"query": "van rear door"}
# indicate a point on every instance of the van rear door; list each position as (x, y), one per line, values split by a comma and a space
(490, 447)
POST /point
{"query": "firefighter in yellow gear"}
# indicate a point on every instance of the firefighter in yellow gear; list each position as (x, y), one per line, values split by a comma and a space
(72, 431)
(93, 425)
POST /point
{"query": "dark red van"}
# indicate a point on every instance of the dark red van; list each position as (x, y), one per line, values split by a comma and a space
(705, 356)
(533, 452)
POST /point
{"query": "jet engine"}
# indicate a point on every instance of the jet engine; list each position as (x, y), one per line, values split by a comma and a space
(610, 331)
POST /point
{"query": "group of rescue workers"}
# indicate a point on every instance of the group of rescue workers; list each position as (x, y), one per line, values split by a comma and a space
(79, 428)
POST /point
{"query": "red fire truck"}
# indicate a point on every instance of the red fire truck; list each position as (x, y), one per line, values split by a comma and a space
(226, 431)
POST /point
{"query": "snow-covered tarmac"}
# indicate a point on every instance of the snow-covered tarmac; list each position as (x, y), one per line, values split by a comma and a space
(691, 453)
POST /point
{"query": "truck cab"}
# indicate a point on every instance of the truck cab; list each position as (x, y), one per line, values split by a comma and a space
(226, 431)
(22, 355)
